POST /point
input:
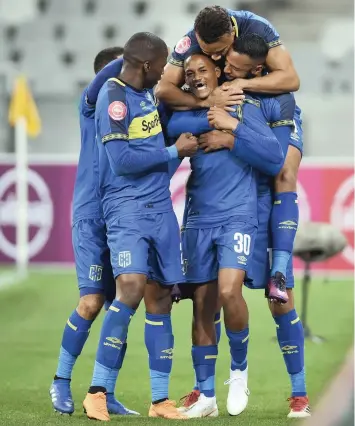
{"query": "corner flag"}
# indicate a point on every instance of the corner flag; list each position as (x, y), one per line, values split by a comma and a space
(23, 105)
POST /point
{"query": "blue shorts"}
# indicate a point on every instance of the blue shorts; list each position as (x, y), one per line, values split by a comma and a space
(92, 258)
(146, 244)
(206, 250)
(296, 138)
(259, 266)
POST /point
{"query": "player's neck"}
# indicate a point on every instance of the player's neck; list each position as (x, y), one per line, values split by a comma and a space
(132, 77)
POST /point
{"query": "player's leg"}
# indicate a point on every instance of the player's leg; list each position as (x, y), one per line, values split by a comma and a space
(165, 271)
(204, 351)
(89, 243)
(284, 217)
(290, 335)
(129, 254)
(235, 245)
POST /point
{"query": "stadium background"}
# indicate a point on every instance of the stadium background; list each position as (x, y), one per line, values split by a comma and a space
(53, 43)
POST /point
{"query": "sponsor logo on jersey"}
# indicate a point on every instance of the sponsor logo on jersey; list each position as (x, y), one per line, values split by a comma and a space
(117, 110)
(145, 127)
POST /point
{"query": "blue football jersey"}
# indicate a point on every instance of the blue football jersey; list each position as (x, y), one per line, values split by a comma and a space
(127, 115)
(243, 23)
(86, 200)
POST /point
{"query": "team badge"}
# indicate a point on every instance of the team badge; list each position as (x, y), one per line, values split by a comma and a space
(183, 46)
(117, 110)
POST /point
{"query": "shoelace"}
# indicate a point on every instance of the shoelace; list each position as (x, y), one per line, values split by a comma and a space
(235, 379)
(297, 403)
(189, 399)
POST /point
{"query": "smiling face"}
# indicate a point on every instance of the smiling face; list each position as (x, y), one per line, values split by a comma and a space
(239, 65)
(201, 75)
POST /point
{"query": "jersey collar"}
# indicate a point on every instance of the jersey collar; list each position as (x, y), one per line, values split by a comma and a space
(235, 26)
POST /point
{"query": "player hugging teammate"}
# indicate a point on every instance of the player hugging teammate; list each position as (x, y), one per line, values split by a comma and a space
(241, 128)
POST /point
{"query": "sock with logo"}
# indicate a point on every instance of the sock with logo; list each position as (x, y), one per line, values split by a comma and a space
(204, 360)
(113, 336)
(290, 336)
(75, 335)
(159, 341)
(238, 343)
(284, 223)
(217, 322)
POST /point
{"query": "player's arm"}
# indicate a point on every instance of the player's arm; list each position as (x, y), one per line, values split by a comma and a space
(195, 122)
(282, 77)
(258, 147)
(111, 70)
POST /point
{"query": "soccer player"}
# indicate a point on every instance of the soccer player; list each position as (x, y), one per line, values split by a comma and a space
(242, 62)
(214, 31)
(142, 229)
(221, 222)
(92, 259)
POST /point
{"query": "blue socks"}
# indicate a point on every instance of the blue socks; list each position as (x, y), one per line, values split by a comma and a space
(111, 349)
(284, 223)
(75, 335)
(204, 360)
(159, 341)
(291, 340)
(238, 343)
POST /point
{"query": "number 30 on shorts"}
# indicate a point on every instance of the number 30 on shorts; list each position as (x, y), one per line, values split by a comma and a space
(242, 243)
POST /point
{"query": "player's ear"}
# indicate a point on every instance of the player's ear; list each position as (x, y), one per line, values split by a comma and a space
(218, 72)
(257, 70)
(146, 66)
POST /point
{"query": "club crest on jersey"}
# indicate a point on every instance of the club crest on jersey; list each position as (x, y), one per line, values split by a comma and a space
(117, 110)
(183, 46)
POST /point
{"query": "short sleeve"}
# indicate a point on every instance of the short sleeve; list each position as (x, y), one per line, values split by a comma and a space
(183, 49)
(282, 110)
(264, 29)
(114, 115)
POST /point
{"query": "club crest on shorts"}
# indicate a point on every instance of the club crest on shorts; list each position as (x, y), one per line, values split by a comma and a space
(117, 110)
(124, 259)
(95, 273)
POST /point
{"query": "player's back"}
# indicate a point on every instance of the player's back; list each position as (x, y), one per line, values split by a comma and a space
(86, 199)
(132, 119)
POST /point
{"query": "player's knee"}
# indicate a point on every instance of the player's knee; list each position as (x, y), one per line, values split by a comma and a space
(287, 179)
(90, 306)
(158, 299)
(278, 309)
(130, 289)
(230, 294)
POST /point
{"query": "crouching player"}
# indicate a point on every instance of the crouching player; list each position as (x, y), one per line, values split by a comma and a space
(92, 259)
(221, 222)
(242, 62)
(142, 230)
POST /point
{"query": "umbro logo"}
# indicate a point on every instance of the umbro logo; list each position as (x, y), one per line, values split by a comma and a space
(288, 348)
(168, 351)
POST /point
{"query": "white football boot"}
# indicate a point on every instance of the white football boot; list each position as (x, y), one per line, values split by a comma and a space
(238, 394)
(204, 407)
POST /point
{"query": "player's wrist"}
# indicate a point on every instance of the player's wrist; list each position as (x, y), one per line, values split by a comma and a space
(203, 103)
(172, 151)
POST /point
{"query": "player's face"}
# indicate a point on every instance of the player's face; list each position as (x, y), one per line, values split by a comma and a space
(201, 75)
(241, 66)
(219, 48)
(154, 70)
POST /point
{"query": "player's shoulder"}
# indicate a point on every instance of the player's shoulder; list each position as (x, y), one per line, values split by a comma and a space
(278, 108)
(85, 108)
(184, 48)
(252, 99)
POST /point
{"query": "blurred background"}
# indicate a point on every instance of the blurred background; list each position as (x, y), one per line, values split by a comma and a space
(53, 44)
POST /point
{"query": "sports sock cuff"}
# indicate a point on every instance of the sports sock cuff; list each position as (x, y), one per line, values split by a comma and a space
(78, 323)
(118, 306)
(285, 319)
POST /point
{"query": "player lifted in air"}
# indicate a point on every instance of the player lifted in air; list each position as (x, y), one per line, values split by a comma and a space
(214, 30)
(143, 233)
(92, 258)
(221, 220)
(244, 60)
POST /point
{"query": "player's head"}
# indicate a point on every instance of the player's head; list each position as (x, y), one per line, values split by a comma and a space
(106, 56)
(201, 75)
(246, 57)
(147, 53)
(214, 31)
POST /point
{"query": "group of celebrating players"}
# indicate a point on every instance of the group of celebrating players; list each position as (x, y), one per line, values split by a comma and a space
(224, 100)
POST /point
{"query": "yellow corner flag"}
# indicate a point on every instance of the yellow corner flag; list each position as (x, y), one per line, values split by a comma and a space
(23, 105)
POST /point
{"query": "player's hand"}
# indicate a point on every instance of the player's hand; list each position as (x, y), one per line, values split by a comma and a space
(186, 145)
(226, 98)
(221, 119)
(239, 84)
(215, 140)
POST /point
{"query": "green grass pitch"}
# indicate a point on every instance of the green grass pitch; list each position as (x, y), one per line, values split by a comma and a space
(33, 315)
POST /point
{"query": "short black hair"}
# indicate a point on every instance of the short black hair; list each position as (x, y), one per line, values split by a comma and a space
(252, 45)
(106, 56)
(212, 23)
(143, 47)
